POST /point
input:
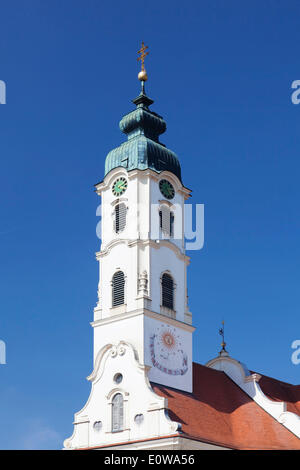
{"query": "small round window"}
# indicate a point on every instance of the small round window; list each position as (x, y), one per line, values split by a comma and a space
(118, 378)
(97, 426)
(138, 419)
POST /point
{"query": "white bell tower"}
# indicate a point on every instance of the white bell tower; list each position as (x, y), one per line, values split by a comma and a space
(142, 288)
(142, 324)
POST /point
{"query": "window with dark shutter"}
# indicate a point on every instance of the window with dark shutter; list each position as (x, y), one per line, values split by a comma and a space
(120, 217)
(167, 291)
(166, 221)
(117, 413)
(172, 218)
(118, 283)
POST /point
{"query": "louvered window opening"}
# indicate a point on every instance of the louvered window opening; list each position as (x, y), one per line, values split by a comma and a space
(118, 283)
(120, 217)
(166, 221)
(172, 218)
(117, 413)
(167, 291)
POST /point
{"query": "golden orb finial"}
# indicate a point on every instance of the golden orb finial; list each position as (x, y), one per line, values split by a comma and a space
(142, 76)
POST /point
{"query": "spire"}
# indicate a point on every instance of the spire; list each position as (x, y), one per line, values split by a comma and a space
(143, 121)
(223, 351)
(143, 127)
(142, 76)
(142, 100)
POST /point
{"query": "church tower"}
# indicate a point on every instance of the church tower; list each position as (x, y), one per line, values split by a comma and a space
(142, 324)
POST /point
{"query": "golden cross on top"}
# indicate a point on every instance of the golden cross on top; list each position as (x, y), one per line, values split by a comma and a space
(143, 55)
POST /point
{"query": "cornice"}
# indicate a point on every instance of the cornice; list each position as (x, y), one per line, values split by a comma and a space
(147, 313)
(147, 242)
(132, 174)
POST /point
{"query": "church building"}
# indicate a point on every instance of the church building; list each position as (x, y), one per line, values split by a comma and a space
(146, 391)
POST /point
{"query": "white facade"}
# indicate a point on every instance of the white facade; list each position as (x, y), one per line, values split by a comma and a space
(140, 339)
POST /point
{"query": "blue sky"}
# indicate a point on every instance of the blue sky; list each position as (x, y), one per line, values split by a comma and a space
(220, 73)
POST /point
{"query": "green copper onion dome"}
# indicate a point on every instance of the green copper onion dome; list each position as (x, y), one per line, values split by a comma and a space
(143, 150)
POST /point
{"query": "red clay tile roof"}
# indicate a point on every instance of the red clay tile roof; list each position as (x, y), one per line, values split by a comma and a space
(218, 411)
(282, 391)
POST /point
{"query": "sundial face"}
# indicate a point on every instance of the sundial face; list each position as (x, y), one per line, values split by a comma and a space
(166, 351)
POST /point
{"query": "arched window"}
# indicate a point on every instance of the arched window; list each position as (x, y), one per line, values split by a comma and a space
(118, 284)
(167, 285)
(117, 413)
(166, 221)
(120, 217)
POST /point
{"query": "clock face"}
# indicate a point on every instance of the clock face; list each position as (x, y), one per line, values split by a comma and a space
(119, 186)
(167, 352)
(166, 189)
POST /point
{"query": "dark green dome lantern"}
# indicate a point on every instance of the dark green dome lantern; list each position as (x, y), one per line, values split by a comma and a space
(143, 150)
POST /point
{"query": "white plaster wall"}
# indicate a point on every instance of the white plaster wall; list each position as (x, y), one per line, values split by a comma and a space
(142, 192)
(119, 251)
(164, 259)
(156, 196)
(183, 345)
(133, 252)
(107, 200)
(122, 334)
(138, 397)
(126, 329)
(124, 258)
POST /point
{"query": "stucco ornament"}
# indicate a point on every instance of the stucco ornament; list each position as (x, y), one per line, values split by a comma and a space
(137, 397)
(143, 283)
